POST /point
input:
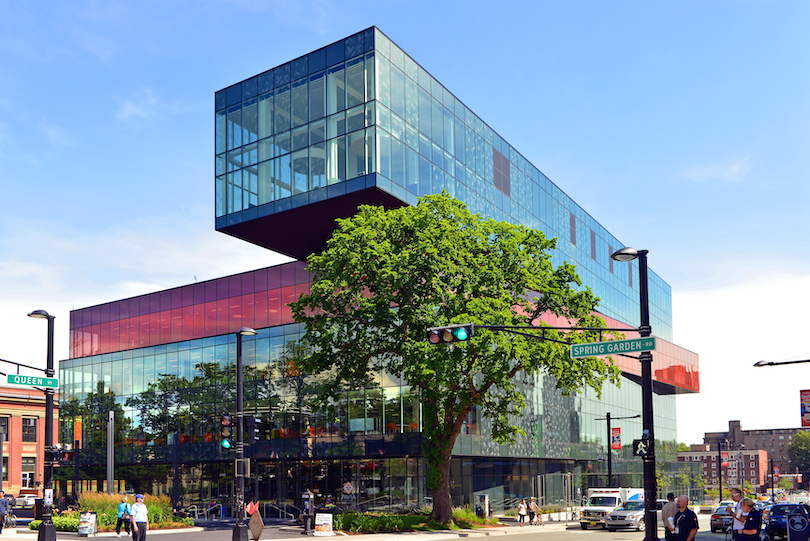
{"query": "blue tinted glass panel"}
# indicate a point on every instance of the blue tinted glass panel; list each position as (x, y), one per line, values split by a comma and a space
(334, 54)
(234, 94)
(316, 61)
(265, 82)
(355, 82)
(220, 100)
(354, 45)
(249, 88)
(299, 68)
(317, 165)
(317, 96)
(368, 40)
(397, 91)
(282, 75)
(282, 109)
(335, 89)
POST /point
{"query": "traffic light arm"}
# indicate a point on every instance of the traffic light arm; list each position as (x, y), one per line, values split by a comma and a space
(434, 333)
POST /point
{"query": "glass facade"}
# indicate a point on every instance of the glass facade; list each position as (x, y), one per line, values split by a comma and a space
(362, 113)
(356, 115)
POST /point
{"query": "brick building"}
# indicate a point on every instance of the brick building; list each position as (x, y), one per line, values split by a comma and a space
(733, 467)
(22, 428)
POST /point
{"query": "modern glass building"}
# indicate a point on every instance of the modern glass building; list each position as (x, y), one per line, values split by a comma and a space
(356, 122)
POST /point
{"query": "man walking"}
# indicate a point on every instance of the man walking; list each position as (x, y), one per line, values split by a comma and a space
(668, 516)
(3, 509)
(140, 519)
(686, 522)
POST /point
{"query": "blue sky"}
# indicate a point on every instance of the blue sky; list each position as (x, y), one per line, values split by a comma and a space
(681, 127)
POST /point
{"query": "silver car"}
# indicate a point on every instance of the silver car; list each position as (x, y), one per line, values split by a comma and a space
(631, 515)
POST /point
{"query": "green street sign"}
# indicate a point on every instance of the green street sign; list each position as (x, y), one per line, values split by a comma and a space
(597, 349)
(33, 381)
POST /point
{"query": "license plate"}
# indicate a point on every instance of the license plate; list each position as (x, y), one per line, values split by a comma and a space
(594, 523)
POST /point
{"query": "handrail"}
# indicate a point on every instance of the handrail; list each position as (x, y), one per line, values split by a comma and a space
(212, 508)
(279, 509)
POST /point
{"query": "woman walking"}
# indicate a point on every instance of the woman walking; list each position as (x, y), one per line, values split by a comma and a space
(124, 510)
(522, 512)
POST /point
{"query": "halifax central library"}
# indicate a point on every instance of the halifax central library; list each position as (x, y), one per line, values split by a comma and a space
(355, 122)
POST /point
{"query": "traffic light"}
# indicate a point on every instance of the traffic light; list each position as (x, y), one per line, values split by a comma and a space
(253, 427)
(450, 333)
(225, 431)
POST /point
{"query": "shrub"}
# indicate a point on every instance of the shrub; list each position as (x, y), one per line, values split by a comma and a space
(106, 508)
(61, 523)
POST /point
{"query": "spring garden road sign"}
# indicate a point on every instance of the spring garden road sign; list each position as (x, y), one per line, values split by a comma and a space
(596, 349)
(33, 381)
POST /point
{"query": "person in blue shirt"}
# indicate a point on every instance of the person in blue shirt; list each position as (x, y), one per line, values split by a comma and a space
(3, 509)
(124, 512)
(140, 519)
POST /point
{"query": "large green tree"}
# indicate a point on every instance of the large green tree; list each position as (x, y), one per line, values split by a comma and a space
(799, 451)
(386, 276)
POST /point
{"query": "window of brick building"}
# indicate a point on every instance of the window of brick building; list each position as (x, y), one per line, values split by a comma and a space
(29, 429)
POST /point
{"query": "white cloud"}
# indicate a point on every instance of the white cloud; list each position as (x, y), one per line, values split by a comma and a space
(731, 328)
(144, 105)
(729, 171)
(56, 135)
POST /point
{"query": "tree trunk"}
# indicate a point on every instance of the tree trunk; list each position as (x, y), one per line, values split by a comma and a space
(442, 503)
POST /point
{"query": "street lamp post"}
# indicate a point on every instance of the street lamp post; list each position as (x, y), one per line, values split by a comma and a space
(240, 530)
(47, 530)
(645, 357)
(609, 440)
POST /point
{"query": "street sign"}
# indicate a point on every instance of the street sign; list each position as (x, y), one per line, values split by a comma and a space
(33, 381)
(596, 349)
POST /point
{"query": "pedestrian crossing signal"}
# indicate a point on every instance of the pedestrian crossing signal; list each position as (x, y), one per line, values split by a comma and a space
(641, 447)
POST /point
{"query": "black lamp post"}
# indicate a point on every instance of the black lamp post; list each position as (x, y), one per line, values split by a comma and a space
(47, 530)
(240, 531)
(609, 440)
(645, 357)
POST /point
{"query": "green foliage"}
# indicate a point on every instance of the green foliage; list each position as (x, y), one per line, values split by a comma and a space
(365, 522)
(799, 451)
(387, 276)
(682, 448)
(106, 507)
(61, 523)
(785, 483)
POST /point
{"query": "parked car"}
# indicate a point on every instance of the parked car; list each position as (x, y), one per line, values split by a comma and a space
(631, 515)
(721, 519)
(775, 519)
(25, 501)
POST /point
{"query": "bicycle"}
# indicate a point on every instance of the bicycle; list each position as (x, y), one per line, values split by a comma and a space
(11, 520)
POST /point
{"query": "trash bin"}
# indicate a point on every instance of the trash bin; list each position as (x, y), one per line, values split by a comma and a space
(38, 508)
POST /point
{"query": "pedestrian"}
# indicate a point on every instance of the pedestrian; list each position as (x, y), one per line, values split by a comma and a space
(124, 516)
(522, 512)
(753, 521)
(3, 509)
(140, 519)
(535, 513)
(736, 511)
(668, 516)
(686, 522)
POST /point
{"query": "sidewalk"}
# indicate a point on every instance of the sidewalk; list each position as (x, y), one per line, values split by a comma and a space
(508, 526)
